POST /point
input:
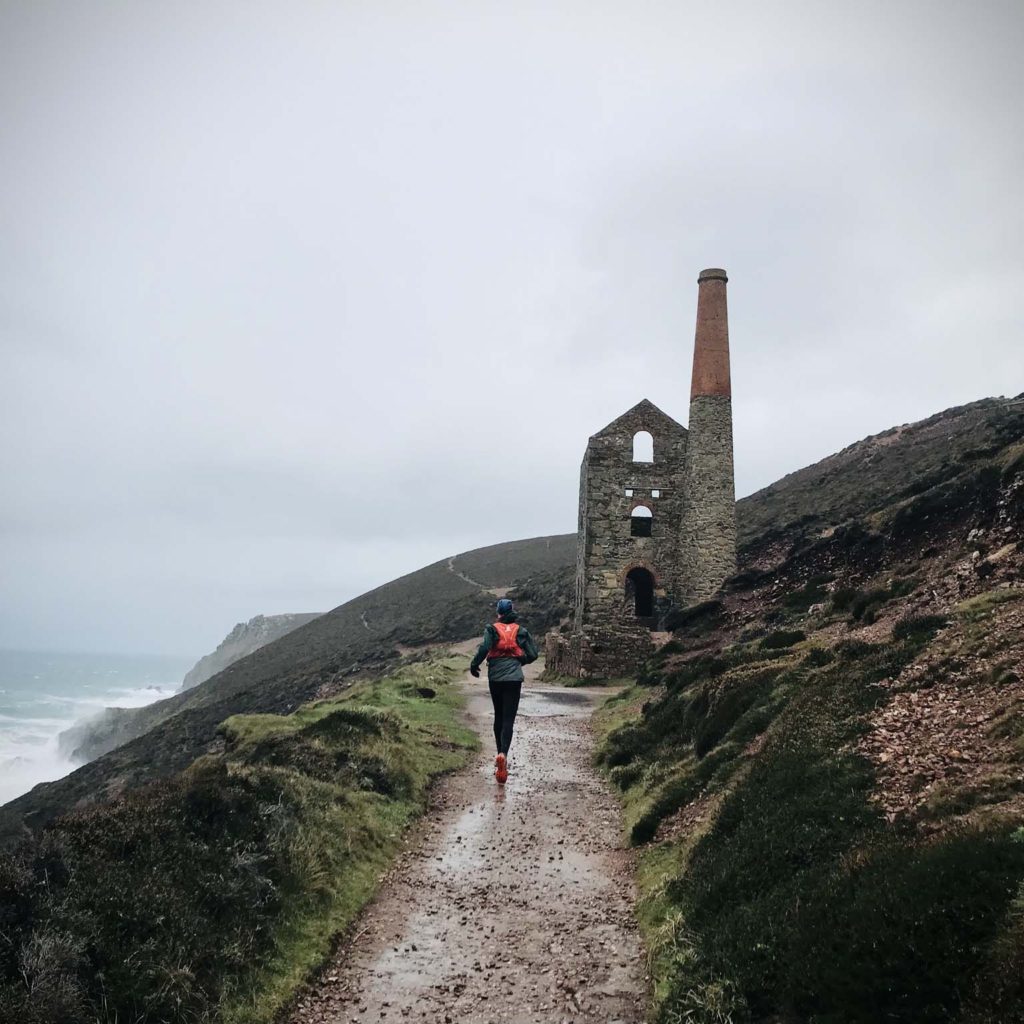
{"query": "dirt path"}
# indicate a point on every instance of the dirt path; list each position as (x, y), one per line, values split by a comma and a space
(496, 591)
(512, 904)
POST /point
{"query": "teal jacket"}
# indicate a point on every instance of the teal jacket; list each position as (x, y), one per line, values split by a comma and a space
(505, 670)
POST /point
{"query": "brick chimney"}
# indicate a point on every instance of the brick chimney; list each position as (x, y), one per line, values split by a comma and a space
(711, 347)
(708, 530)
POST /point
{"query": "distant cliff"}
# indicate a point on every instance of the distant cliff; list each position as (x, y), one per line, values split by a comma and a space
(85, 741)
(245, 638)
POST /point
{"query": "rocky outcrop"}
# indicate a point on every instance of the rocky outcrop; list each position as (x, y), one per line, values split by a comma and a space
(245, 638)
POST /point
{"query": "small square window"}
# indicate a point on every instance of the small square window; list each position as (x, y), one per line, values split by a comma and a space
(655, 494)
(629, 492)
(640, 526)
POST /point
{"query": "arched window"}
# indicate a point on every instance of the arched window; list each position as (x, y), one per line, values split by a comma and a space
(640, 590)
(640, 521)
(643, 446)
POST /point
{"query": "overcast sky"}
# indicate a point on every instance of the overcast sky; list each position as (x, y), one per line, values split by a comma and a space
(298, 297)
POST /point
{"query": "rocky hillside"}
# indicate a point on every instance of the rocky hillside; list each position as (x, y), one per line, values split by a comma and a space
(245, 638)
(446, 601)
(875, 473)
(824, 769)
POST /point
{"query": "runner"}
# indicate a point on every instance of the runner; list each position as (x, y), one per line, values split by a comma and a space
(507, 647)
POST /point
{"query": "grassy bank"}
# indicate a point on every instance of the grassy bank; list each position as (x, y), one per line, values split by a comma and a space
(773, 888)
(212, 895)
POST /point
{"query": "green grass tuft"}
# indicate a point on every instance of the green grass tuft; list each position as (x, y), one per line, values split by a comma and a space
(783, 638)
(979, 608)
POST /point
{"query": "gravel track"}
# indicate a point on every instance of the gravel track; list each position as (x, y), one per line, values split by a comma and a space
(511, 904)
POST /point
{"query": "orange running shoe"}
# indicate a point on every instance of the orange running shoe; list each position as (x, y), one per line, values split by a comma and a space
(501, 769)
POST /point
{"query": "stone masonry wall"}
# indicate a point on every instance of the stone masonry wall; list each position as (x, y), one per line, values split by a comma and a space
(597, 652)
(582, 545)
(708, 529)
(607, 550)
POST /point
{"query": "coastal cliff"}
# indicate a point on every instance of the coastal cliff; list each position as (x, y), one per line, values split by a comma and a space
(245, 638)
(89, 739)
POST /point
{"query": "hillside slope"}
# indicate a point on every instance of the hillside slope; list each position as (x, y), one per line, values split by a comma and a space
(825, 768)
(443, 602)
(875, 472)
(210, 895)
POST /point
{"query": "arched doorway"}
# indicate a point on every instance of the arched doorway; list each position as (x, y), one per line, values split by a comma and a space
(640, 590)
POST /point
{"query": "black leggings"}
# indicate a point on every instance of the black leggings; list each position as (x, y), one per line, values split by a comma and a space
(505, 697)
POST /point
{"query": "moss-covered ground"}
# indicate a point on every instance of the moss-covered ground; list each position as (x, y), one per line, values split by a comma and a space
(213, 895)
(772, 887)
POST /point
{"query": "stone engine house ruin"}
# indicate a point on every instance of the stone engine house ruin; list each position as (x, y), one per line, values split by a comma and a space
(657, 512)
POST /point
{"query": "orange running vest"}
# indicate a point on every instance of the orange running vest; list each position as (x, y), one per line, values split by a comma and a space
(507, 645)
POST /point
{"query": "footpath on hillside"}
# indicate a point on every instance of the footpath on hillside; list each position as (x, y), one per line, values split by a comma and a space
(510, 904)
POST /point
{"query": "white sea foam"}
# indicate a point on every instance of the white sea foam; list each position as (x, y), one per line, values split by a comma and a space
(45, 694)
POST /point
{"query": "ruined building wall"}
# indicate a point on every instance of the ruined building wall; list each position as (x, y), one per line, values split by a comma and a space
(607, 549)
(600, 652)
(688, 488)
(583, 543)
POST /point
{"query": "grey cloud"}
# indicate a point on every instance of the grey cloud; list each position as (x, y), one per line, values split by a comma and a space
(279, 289)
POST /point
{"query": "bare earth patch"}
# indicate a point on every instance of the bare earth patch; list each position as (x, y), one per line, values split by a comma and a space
(947, 736)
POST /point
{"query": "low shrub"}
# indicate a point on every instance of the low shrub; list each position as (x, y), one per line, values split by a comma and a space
(852, 650)
(695, 619)
(625, 775)
(818, 657)
(843, 598)
(783, 638)
(864, 607)
(163, 896)
(622, 746)
(812, 592)
(678, 792)
(719, 716)
(918, 627)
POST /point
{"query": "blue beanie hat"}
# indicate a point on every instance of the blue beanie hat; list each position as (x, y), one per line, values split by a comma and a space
(504, 606)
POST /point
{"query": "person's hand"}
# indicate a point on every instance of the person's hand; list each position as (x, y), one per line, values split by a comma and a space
(474, 671)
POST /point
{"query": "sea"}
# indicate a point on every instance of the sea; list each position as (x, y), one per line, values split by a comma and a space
(42, 693)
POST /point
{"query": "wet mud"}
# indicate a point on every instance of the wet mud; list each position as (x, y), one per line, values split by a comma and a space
(510, 904)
